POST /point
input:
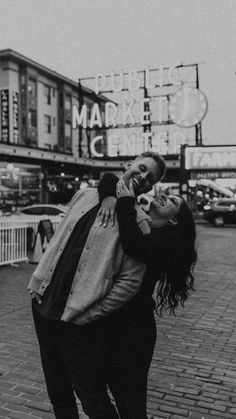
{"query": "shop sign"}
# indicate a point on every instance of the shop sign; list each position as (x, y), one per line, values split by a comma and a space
(162, 142)
(218, 157)
(5, 115)
(212, 174)
(15, 115)
(130, 112)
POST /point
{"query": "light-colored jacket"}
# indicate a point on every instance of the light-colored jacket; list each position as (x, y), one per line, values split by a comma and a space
(105, 278)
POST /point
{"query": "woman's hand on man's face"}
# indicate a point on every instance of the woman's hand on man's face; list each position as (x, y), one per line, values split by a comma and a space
(122, 190)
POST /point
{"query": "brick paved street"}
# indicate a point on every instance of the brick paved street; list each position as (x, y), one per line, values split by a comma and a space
(193, 373)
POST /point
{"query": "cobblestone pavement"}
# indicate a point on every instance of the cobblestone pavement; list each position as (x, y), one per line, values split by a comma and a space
(193, 373)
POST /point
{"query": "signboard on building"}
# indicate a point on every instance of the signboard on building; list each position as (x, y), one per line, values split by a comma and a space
(210, 158)
(5, 115)
(15, 116)
(154, 109)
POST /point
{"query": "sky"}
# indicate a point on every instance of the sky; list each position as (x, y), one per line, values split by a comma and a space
(79, 38)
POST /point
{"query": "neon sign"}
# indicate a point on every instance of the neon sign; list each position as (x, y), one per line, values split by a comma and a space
(129, 120)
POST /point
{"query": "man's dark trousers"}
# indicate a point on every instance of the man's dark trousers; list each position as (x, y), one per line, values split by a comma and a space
(72, 361)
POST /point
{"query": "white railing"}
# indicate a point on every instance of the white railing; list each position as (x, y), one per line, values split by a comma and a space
(14, 234)
(13, 241)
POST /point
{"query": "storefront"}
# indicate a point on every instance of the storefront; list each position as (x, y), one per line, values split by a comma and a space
(20, 185)
(29, 176)
(210, 173)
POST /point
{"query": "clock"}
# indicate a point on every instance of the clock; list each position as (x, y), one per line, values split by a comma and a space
(187, 107)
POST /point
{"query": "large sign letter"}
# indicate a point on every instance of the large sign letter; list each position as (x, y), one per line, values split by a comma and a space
(79, 119)
(110, 114)
(134, 82)
(171, 78)
(114, 86)
(95, 116)
(127, 112)
(92, 146)
(100, 82)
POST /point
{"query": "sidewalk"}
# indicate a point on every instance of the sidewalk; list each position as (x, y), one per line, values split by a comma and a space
(193, 373)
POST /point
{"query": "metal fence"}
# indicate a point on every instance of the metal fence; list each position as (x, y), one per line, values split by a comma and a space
(17, 235)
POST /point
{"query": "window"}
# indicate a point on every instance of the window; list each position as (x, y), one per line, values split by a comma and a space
(32, 86)
(68, 129)
(32, 118)
(47, 124)
(47, 94)
(68, 102)
(22, 79)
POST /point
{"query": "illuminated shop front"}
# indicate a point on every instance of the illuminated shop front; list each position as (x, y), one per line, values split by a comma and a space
(20, 185)
(211, 172)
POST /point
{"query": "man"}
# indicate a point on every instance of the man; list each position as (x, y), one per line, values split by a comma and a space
(83, 276)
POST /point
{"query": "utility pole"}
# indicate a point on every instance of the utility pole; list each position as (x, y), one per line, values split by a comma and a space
(146, 127)
(183, 173)
(198, 128)
(80, 102)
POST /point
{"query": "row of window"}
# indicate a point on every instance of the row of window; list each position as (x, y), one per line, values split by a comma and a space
(47, 120)
(48, 93)
(47, 123)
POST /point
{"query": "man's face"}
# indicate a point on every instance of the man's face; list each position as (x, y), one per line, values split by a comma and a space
(144, 174)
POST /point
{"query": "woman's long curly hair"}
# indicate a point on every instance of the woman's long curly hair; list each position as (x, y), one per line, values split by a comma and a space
(177, 279)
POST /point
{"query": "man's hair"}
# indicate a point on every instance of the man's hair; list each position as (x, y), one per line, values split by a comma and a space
(160, 162)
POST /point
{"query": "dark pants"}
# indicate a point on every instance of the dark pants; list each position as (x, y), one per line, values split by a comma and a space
(133, 335)
(72, 361)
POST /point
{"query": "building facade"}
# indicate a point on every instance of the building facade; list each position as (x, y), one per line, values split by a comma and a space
(42, 159)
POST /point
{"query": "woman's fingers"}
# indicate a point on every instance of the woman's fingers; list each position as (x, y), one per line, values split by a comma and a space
(112, 217)
(106, 216)
(131, 188)
(123, 190)
(107, 211)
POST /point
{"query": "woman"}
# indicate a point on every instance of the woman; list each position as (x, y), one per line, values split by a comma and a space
(173, 237)
(169, 251)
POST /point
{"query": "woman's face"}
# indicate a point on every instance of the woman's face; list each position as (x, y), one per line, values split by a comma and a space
(165, 207)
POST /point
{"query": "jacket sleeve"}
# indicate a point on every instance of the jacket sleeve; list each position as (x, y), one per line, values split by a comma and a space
(107, 186)
(148, 248)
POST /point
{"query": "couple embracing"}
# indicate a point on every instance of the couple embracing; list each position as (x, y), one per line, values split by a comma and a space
(92, 292)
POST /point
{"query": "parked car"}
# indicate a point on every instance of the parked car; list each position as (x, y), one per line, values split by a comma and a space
(220, 212)
(44, 209)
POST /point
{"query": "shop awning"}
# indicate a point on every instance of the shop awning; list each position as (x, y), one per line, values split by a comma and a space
(211, 184)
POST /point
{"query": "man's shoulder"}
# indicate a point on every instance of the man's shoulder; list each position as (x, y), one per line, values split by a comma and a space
(86, 194)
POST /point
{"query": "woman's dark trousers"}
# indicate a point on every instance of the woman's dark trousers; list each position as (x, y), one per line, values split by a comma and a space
(71, 360)
(133, 341)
